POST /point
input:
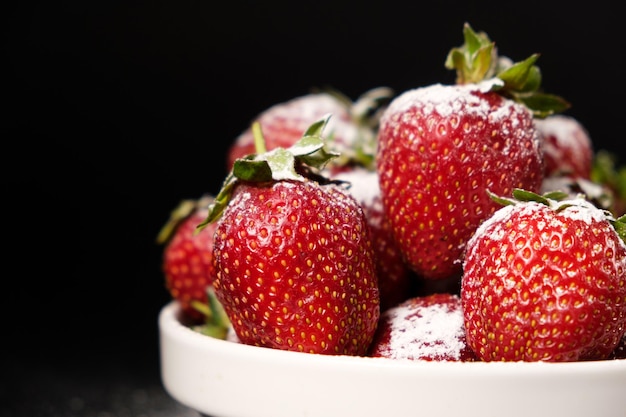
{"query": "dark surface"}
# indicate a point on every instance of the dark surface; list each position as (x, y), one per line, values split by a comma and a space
(117, 110)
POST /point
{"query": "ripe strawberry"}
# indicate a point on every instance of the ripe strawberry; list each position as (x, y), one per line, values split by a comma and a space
(545, 280)
(395, 279)
(352, 127)
(423, 328)
(567, 147)
(442, 146)
(295, 265)
(187, 256)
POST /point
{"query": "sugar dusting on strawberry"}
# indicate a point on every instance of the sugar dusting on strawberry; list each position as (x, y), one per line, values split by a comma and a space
(440, 148)
(293, 255)
(423, 328)
(351, 130)
(322, 265)
(545, 280)
(567, 147)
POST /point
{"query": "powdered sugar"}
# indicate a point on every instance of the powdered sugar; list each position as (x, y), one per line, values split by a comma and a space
(434, 331)
(447, 100)
(364, 185)
(577, 209)
(566, 130)
(566, 145)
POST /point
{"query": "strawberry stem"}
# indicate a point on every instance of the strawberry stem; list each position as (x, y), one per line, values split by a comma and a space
(477, 60)
(279, 164)
(216, 321)
(259, 141)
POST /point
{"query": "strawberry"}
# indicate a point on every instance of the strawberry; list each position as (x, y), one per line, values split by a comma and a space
(293, 255)
(442, 146)
(352, 126)
(423, 328)
(545, 280)
(395, 279)
(567, 146)
(188, 257)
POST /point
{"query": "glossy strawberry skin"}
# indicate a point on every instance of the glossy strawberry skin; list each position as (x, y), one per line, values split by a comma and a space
(188, 262)
(567, 147)
(545, 285)
(295, 268)
(395, 279)
(440, 149)
(284, 123)
(428, 328)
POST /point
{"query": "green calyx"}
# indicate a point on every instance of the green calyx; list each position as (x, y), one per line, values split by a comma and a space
(553, 199)
(216, 321)
(520, 195)
(477, 60)
(279, 164)
(182, 211)
(607, 172)
(365, 114)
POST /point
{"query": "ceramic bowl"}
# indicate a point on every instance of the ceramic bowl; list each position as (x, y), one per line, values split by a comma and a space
(219, 378)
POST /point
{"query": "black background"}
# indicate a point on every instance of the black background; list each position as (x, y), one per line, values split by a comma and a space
(115, 111)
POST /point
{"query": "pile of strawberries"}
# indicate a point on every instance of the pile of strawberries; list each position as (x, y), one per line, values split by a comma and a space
(464, 222)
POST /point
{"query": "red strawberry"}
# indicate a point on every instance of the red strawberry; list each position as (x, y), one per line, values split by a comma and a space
(295, 265)
(395, 279)
(442, 146)
(545, 280)
(423, 328)
(352, 127)
(567, 147)
(187, 256)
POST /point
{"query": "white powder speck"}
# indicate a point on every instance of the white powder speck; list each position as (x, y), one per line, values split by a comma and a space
(447, 100)
(566, 130)
(567, 142)
(578, 209)
(429, 331)
(364, 185)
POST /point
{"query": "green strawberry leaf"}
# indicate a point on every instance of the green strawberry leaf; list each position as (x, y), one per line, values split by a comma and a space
(522, 76)
(477, 60)
(365, 111)
(620, 227)
(520, 195)
(543, 105)
(216, 322)
(184, 209)
(556, 195)
(180, 213)
(365, 114)
(279, 164)
(220, 202)
(473, 61)
(503, 201)
(524, 195)
(251, 170)
(607, 172)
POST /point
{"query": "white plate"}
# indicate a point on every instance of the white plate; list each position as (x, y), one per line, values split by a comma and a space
(225, 379)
